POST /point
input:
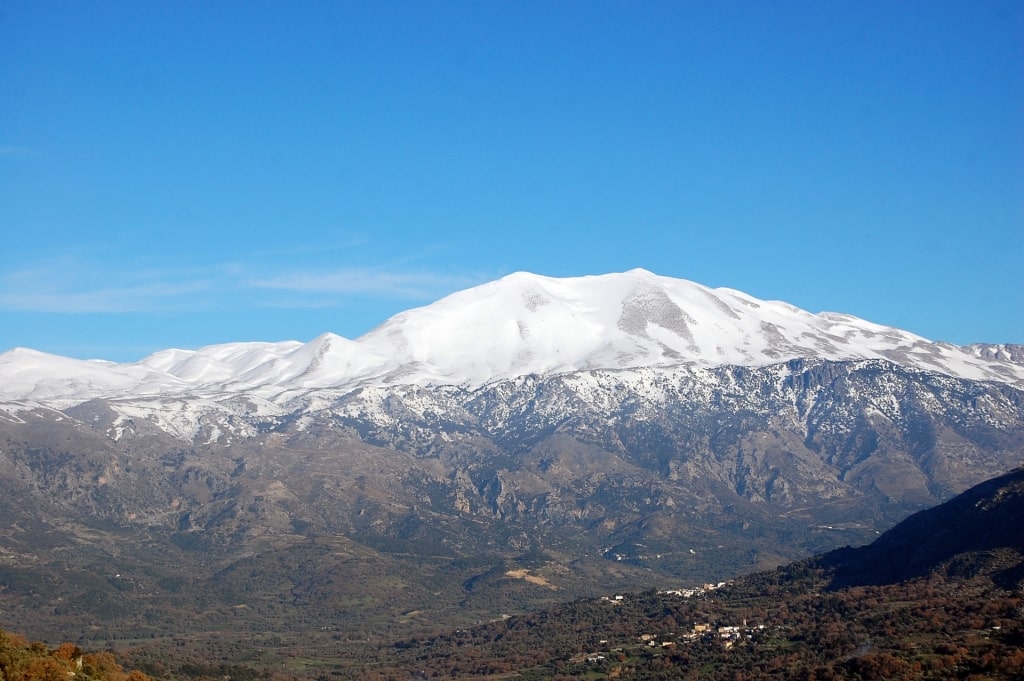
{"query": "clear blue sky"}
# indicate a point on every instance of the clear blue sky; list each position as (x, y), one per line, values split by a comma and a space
(182, 173)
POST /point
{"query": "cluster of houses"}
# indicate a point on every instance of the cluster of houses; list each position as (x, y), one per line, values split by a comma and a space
(682, 593)
(695, 591)
(727, 636)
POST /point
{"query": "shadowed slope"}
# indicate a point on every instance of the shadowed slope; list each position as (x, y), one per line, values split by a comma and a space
(979, 532)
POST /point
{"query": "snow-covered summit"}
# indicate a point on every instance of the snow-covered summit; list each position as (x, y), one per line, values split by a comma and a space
(518, 325)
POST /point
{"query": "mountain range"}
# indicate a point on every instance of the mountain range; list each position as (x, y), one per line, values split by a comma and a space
(520, 325)
(509, 446)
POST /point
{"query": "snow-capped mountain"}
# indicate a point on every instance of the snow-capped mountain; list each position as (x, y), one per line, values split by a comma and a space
(607, 428)
(522, 324)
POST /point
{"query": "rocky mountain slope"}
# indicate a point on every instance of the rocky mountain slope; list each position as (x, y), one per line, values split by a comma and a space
(979, 532)
(936, 597)
(508, 446)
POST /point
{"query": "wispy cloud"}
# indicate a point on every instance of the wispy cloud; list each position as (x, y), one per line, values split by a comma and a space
(70, 286)
(138, 298)
(417, 285)
(17, 152)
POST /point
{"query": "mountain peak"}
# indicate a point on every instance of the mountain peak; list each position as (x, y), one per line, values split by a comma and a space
(518, 325)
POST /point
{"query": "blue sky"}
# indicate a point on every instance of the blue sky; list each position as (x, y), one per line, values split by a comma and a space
(177, 174)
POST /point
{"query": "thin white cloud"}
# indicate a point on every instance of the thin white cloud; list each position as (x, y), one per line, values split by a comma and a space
(69, 286)
(17, 152)
(418, 285)
(70, 298)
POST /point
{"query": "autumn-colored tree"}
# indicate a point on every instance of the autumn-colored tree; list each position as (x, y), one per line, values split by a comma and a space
(24, 661)
(67, 652)
(43, 669)
(102, 665)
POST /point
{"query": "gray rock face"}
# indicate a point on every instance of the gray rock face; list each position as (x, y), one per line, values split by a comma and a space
(611, 479)
(796, 439)
(1005, 352)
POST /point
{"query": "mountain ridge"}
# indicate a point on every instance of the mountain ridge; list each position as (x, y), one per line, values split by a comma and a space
(589, 478)
(519, 325)
(984, 519)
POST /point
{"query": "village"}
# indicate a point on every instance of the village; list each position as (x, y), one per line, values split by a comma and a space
(725, 635)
